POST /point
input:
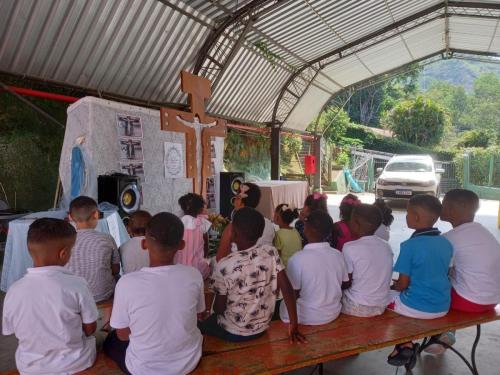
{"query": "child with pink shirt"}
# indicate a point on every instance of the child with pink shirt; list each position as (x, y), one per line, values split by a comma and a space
(196, 228)
(341, 231)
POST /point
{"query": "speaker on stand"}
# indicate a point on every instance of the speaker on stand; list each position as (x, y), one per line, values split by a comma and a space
(120, 190)
(229, 186)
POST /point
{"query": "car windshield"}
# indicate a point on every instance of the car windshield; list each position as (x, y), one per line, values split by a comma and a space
(408, 166)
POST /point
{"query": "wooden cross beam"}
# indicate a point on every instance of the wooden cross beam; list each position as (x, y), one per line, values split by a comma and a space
(198, 90)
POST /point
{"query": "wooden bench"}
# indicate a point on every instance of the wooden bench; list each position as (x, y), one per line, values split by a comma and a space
(273, 354)
(346, 336)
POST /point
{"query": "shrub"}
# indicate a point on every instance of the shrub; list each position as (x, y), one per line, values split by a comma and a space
(370, 141)
(480, 165)
(477, 138)
(420, 121)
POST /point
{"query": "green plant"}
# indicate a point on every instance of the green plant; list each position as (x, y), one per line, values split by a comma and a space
(247, 153)
(342, 158)
(361, 137)
(419, 121)
(333, 123)
(477, 138)
(290, 146)
(270, 56)
(479, 165)
(30, 149)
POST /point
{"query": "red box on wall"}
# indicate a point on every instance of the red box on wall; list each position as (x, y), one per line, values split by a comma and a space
(310, 164)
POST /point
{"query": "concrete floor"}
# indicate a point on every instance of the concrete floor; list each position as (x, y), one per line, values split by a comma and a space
(374, 363)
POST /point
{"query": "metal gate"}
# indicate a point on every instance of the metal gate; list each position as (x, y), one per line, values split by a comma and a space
(449, 180)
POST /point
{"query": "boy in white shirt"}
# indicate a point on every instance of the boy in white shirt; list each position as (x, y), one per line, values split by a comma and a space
(317, 274)
(475, 275)
(50, 310)
(369, 265)
(133, 257)
(155, 309)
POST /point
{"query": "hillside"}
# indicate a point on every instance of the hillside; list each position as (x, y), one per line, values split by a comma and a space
(457, 72)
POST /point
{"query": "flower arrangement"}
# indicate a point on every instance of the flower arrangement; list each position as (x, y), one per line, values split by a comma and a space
(219, 223)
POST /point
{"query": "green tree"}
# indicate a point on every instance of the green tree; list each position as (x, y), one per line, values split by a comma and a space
(419, 121)
(452, 97)
(30, 148)
(367, 105)
(484, 105)
(335, 121)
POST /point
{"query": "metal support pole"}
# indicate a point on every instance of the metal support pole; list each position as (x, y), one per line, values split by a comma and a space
(492, 168)
(371, 177)
(275, 152)
(317, 154)
(466, 171)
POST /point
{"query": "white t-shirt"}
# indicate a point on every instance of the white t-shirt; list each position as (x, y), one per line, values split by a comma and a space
(267, 238)
(384, 232)
(268, 234)
(160, 306)
(369, 259)
(318, 272)
(476, 263)
(45, 310)
(132, 255)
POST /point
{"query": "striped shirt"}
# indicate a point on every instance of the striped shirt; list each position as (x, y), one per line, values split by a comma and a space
(91, 258)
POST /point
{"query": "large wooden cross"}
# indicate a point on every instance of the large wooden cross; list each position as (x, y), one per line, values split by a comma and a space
(198, 90)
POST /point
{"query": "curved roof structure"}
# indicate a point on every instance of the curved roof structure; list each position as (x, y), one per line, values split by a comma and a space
(270, 61)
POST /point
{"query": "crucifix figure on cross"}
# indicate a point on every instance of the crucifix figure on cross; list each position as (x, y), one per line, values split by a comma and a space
(198, 90)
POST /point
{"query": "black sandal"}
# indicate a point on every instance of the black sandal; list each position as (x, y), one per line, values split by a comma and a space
(413, 360)
(403, 356)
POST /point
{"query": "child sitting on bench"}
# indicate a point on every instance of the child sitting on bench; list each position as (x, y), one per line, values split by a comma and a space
(95, 256)
(196, 228)
(369, 265)
(249, 195)
(155, 309)
(384, 230)
(475, 275)
(50, 310)
(341, 232)
(246, 284)
(133, 256)
(423, 288)
(313, 202)
(287, 240)
(317, 274)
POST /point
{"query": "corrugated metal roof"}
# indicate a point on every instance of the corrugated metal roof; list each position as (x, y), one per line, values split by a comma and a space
(136, 48)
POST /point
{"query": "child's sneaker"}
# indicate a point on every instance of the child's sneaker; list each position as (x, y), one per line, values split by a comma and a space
(435, 348)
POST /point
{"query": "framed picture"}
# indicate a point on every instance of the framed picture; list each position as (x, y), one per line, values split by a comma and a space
(129, 126)
(133, 169)
(131, 149)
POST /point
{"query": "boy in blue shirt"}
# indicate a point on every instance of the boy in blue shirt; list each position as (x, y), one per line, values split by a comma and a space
(423, 289)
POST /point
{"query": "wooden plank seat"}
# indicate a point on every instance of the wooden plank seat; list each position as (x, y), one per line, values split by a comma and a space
(106, 304)
(273, 353)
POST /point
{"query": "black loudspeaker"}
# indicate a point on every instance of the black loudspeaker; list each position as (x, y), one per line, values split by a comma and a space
(121, 190)
(229, 186)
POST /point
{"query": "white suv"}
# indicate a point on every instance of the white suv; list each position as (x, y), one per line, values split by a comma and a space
(408, 175)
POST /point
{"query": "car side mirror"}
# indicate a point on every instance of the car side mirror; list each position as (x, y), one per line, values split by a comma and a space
(439, 170)
(379, 170)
